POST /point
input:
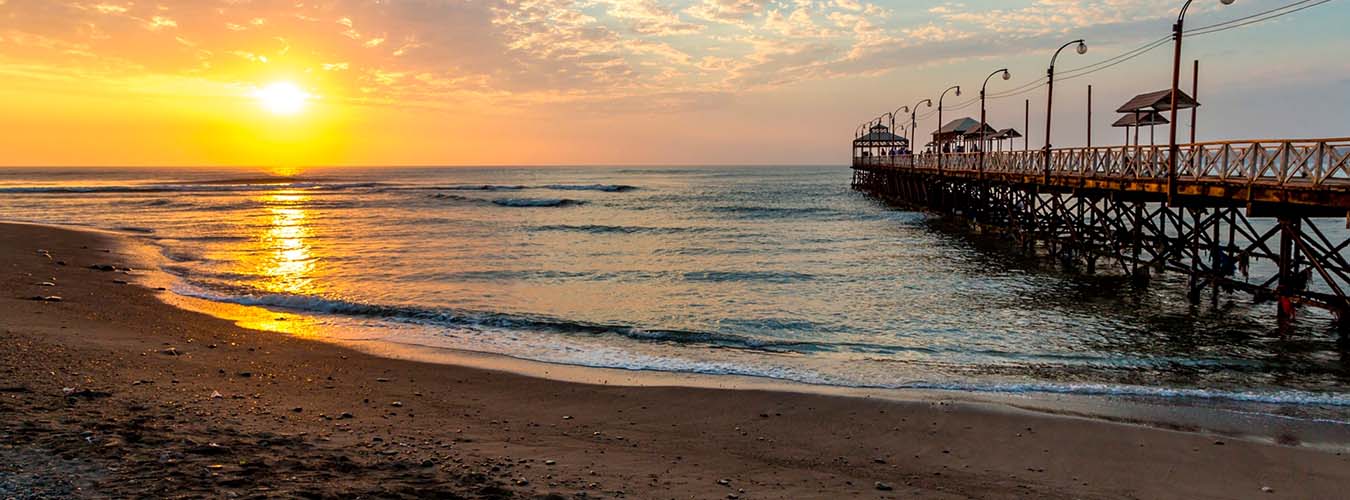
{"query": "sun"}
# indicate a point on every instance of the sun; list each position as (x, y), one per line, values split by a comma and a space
(282, 98)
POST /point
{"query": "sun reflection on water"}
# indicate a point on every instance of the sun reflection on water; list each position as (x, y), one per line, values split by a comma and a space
(287, 262)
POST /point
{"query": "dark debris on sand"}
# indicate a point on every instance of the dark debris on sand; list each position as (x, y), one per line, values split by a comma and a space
(70, 443)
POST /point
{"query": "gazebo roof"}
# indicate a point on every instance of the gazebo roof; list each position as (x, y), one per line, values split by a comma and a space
(986, 130)
(1141, 119)
(1008, 133)
(1158, 101)
(880, 134)
(959, 126)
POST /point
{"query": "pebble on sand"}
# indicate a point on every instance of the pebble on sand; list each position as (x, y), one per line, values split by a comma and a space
(46, 298)
(883, 486)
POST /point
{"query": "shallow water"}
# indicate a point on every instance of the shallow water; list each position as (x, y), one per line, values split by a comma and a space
(771, 272)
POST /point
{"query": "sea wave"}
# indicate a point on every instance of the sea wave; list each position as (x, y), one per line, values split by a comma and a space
(482, 319)
(609, 229)
(479, 187)
(478, 320)
(510, 202)
(742, 276)
(767, 212)
(608, 188)
(537, 202)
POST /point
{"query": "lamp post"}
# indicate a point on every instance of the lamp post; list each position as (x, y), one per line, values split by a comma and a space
(914, 126)
(983, 124)
(897, 110)
(1050, 99)
(1172, 149)
(858, 133)
(938, 144)
(900, 109)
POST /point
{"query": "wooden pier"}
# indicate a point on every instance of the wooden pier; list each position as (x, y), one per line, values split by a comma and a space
(1229, 209)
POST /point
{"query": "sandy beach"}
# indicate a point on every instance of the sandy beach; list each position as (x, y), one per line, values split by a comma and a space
(110, 392)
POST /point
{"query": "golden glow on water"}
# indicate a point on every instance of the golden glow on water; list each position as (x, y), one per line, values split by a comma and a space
(287, 263)
(285, 170)
(257, 318)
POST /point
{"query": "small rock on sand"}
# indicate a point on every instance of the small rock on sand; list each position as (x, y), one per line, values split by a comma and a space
(46, 298)
(396, 404)
(1267, 489)
(883, 486)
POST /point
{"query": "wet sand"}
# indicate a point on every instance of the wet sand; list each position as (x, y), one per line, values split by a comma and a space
(112, 393)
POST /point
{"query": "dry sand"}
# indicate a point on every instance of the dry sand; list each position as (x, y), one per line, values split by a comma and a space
(112, 393)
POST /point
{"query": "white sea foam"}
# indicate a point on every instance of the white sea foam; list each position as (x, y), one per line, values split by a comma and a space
(524, 339)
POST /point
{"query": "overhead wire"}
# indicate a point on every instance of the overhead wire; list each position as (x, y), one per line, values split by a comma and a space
(1146, 48)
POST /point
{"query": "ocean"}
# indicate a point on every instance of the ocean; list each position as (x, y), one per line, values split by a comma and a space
(775, 272)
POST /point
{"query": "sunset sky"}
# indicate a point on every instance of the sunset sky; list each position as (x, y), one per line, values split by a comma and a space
(496, 82)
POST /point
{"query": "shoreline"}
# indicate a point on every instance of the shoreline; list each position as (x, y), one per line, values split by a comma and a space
(1231, 414)
(104, 338)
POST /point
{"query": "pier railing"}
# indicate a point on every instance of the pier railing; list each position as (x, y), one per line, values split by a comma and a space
(1308, 163)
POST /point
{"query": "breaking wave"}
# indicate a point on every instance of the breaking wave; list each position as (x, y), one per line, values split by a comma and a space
(537, 202)
(477, 320)
(608, 188)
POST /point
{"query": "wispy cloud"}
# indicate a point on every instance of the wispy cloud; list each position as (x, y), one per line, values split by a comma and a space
(538, 50)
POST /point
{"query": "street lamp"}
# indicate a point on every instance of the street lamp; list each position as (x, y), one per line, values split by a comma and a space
(914, 127)
(893, 113)
(938, 145)
(1050, 99)
(897, 110)
(983, 124)
(879, 122)
(1172, 149)
(858, 133)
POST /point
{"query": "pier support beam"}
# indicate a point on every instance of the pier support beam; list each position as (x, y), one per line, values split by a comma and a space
(1210, 241)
